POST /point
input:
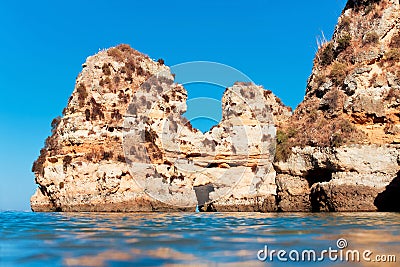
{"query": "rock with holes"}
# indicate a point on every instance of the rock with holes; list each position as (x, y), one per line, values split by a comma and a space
(123, 144)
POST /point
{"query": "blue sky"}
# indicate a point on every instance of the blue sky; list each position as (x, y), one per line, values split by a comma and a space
(44, 43)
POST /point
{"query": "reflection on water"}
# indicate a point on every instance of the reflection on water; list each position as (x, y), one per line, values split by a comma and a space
(184, 239)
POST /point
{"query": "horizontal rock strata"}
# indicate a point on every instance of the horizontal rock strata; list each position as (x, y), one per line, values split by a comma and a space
(123, 144)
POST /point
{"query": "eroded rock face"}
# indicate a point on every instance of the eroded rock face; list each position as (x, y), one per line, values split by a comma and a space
(293, 193)
(353, 94)
(123, 145)
(82, 166)
(343, 137)
(234, 157)
(348, 178)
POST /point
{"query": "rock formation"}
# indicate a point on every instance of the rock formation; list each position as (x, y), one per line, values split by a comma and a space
(343, 138)
(347, 178)
(123, 144)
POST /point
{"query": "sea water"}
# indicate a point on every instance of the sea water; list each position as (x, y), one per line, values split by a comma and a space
(196, 239)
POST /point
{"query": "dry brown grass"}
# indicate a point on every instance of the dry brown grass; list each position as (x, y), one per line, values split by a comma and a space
(393, 55)
(132, 58)
(395, 42)
(319, 80)
(116, 54)
(371, 38)
(310, 126)
(106, 69)
(345, 23)
(122, 52)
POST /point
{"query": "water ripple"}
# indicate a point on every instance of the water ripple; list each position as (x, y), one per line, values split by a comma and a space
(167, 239)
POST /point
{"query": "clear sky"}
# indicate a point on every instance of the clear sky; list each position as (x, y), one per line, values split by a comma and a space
(44, 43)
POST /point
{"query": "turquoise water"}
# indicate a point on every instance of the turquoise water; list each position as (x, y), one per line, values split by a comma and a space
(188, 239)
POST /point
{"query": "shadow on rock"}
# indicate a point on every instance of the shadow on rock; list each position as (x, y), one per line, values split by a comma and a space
(389, 200)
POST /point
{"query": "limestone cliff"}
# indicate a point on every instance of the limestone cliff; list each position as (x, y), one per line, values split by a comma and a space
(343, 138)
(123, 145)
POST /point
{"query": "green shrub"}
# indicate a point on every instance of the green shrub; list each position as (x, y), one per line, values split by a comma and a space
(291, 132)
(121, 52)
(125, 48)
(373, 79)
(105, 82)
(150, 136)
(267, 93)
(283, 150)
(344, 132)
(278, 101)
(131, 65)
(327, 55)
(96, 110)
(140, 71)
(343, 42)
(369, 8)
(116, 79)
(313, 116)
(37, 166)
(330, 100)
